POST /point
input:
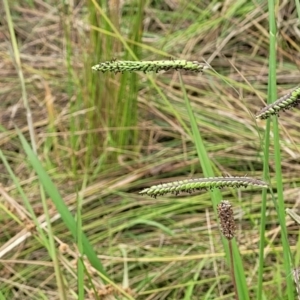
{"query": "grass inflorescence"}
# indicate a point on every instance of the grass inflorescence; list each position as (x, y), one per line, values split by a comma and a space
(228, 228)
(227, 223)
(191, 185)
(290, 100)
(149, 66)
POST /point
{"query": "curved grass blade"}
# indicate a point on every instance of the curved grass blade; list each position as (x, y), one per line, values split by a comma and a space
(191, 185)
(149, 66)
(290, 100)
(61, 207)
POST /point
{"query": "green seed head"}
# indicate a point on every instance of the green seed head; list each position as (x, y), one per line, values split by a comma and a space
(190, 185)
(150, 66)
(283, 103)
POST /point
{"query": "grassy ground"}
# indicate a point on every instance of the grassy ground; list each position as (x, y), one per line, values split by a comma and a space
(97, 139)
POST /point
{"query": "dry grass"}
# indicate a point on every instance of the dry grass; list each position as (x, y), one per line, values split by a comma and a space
(234, 39)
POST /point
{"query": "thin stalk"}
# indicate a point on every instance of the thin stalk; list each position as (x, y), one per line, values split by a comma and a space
(51, 248)
(272, 95)
(228, 227)
(66, 20)
(297, 256)
(61, 207)
(216, 197)
(20, 73)
(297, 281)
(266, 178)
(298, 8)
(79, 241)
(232, 269)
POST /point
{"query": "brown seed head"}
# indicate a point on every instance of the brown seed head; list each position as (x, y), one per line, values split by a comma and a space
(227, 223)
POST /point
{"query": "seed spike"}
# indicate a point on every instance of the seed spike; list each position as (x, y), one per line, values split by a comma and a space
(190, 185)
(149, 66)
(227, 224)
(289, 100)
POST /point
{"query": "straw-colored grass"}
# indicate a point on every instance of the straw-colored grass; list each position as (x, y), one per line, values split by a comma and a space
(100, 139)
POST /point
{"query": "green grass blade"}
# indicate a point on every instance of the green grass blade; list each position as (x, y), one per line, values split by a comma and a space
(52, 248)
(61, 207)
(272, 95)
(298, 8)
(263, 214)
(216, 195)
(79, 242)
(190, 289)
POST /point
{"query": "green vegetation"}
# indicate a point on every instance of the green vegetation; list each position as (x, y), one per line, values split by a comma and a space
(82, 151)
(190, 185)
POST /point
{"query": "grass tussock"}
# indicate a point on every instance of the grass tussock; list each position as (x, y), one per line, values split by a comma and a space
(78, 147)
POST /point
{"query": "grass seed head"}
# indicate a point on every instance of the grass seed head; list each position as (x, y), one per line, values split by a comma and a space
(227, 223)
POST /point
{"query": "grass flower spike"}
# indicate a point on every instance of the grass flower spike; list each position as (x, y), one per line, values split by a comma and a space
(227, 226)
(149, 66)
(288, 101)
(227, 223)
(190, 185)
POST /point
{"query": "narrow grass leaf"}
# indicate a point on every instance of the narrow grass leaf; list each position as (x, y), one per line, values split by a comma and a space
(52, 248)
(79, 242)
(189, 291)
(272, 95)
(216, 195)
(26, 201)
(2, 297)
(61, 207)
(263, 214)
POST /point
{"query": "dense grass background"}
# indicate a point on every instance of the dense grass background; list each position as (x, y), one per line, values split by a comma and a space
(101, 138)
